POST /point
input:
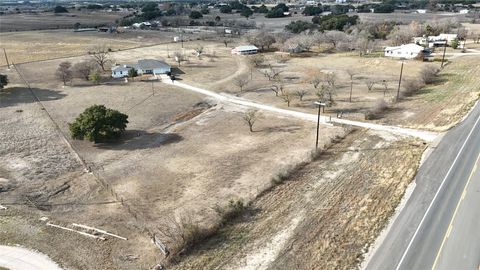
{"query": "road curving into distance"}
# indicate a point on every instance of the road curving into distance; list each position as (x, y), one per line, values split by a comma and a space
(19, 258)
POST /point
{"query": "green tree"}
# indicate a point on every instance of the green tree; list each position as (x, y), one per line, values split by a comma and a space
(132, 73)
(454, 44)
(226, 9)
(195, 15)
(335, 22)
(312, 11)
(98, 124)
(246, 12)
(95, 77)
(60, 9)
(3, 81)
(261, 9)
(298, 26)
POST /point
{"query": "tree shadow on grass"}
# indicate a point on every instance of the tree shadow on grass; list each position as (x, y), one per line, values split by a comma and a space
(139, 139)
(177, 71)
(21, 95)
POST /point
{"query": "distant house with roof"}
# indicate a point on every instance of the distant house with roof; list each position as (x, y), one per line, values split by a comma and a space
(143, 67)
(407, 51)
(435, 41)
(246, 49)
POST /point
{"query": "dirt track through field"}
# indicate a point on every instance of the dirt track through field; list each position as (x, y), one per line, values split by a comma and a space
(424, 135)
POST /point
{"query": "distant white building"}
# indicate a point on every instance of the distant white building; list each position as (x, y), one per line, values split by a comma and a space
(246, 49)
(463, 11)
(421, 11)
(407, 51)
(435, 41)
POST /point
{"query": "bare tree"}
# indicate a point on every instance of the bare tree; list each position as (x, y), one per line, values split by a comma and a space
(179, 58)
(64, 72)
(301, 93)
(330, 91)
(101, 55)
(370, 84)
(331, 79)
(261, 39)
(314, 77)
(410, 87)
(240, 82)
(277, 89)
(226, 41)
(287, 97)
(321, 93)
(250, 117)
(351, 73)
(428, 74)
(83, 69)
(198, 50)
(400, 36)
(257, 60)
(271, 73)
(334, 37)
(385, 87)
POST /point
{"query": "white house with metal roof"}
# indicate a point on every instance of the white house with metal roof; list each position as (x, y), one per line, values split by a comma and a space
(120, 71)
(246, 49)
(143, 67)
(407, 51)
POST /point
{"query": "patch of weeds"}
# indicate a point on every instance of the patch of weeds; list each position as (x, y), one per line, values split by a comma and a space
(230, 212)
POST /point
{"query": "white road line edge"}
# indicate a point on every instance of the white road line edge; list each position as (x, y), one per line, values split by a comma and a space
(436, 194)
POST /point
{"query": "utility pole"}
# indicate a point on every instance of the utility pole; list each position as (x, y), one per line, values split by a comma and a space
(6, 58)
(444, 50)
(320, 104)
(399, 82)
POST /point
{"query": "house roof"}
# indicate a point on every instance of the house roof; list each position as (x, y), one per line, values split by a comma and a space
(121, 68)
(410, 47)
(245, 48)
(150, 64)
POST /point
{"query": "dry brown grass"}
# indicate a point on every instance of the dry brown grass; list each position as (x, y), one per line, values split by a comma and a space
(325, 217)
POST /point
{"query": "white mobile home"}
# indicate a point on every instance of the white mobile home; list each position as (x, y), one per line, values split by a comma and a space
(408, 51)
(243, 50)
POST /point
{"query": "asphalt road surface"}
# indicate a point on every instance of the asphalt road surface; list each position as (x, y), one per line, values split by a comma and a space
(18, 258)
(439, 227)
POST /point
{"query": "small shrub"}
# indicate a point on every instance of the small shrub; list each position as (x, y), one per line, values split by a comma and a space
(428, 74)
(377, 110)
(411, 87)
(231, 211)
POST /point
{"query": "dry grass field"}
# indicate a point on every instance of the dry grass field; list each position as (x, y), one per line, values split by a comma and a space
(167, 163)
(49, 44)
(49, 20)
(184, 155)
(446, 100)
(324, 216)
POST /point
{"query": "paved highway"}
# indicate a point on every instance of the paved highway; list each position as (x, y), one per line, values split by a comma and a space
(439, 227)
